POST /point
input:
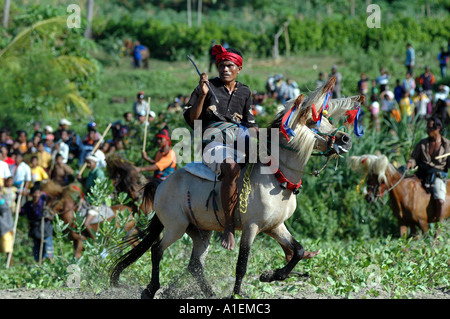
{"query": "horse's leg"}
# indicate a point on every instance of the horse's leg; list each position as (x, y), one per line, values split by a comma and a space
(403, 230)
(423, 224)
(247, 238)
(77, 244)
(197, 263)
(174, 232)
(414, 232)
(285, 239)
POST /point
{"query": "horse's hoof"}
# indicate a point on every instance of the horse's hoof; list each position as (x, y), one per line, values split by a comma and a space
(267, 276)
(146, 294)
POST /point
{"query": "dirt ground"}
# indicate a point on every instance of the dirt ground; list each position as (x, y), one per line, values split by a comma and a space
(192, 292)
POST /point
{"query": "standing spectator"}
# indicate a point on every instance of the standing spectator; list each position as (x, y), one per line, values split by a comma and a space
(270, 84)
(140, 105)
(47, 130)
(320, 79)
(282, 90)
(61, 147)
(363, 85)
(75, 145)
(443, 57)
(421, 102)
(38, 174)
(44, 157)
(7, 157)
(426, 80)
(383, 80)
(398, 91)
(407, 106)
(22, 140)
(63, 126)
(410, 58)
(6, 225)
(34, 210)
(293, 89)
(61, 172)
(89, 141)
(4, 170)
(374, 89)
(137, 54)
(48, 144)
(21, 173)
(10, 193)
(442, 93)
(409, 84)
(387, 103)
(374, 109)
(337, 86)
(5, 139)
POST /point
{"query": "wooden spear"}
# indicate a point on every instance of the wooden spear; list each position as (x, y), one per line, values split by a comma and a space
(146, 125)
(95, 148)
(16, 219)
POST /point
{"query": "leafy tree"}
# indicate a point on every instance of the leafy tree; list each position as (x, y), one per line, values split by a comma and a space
(46, 69)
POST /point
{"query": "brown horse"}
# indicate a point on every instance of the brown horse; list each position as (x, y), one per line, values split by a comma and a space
(409, 201)
(126, 179)
(65, 201)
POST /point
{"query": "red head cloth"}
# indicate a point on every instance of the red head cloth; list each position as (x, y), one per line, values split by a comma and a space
(222, 54)
(164, 133)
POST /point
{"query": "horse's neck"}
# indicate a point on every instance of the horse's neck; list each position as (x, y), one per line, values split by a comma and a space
(290, 166)
(392, 177)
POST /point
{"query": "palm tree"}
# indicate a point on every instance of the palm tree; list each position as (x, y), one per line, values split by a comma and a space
(36, 48)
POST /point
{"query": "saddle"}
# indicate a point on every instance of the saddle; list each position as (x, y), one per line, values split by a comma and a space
(202, 171)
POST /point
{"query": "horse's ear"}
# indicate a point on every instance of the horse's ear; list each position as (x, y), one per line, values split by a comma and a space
(302, 112)
(362, 99)
(329, 85)
(299, 100)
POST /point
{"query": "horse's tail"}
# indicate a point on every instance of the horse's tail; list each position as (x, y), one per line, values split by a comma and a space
(151, 235)
(149, 195)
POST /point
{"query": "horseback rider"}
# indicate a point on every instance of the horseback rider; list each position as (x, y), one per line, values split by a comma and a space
(432, 171)
(229, 117)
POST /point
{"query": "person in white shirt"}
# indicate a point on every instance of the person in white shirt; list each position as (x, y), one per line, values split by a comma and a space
(4, 170)
(140, 105)
(22, 172)
(442, 94)
(422, 104)
(60, 148)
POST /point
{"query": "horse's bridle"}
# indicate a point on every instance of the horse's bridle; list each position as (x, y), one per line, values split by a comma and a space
(377, 189)
(330, 138)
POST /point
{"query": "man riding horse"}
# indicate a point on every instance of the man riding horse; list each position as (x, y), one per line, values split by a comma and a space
(432, 166)
(228, 111)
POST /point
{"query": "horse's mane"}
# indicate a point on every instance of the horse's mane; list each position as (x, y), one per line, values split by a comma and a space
(52, 188)
(303, 141)
(372, 164)
(124, 173)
